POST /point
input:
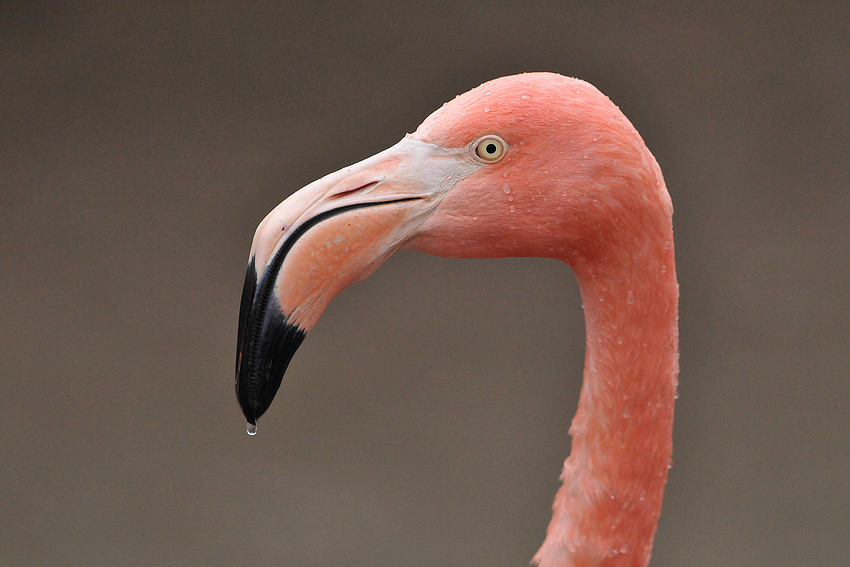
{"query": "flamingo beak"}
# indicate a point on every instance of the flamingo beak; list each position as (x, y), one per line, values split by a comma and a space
(326, 236)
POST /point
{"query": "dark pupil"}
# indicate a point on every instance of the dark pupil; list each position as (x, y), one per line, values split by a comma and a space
(490, 148)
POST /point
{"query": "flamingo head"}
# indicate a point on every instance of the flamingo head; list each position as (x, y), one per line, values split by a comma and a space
(528, 165)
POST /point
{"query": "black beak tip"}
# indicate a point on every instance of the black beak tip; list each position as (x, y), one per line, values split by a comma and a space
(261, 369)
(255, 395)
(266, 344)
(251, 413)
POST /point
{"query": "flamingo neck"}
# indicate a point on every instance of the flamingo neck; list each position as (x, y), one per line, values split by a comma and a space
(607, 509)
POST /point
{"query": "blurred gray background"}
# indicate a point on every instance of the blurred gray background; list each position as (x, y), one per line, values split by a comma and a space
(424, 421)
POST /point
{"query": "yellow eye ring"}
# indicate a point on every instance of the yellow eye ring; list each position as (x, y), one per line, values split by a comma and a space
(490, 149)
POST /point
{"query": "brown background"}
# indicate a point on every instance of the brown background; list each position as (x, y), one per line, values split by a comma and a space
(424, 421)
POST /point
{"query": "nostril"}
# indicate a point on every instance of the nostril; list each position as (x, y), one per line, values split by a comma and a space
(356, 189)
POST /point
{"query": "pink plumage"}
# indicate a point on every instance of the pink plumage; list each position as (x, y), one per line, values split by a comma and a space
(574, 182)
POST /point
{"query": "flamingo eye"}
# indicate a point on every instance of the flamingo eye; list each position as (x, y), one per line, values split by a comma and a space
(490, 149)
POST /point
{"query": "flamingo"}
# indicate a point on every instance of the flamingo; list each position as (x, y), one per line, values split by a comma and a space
(535, 164)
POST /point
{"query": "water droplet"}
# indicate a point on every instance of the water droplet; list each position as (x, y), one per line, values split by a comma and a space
(506, 188)
(624, 548)
(251, 428)
(474, 218)
(512, 208)
(486, 109)
(510, 198)
(619, 339)
(526, 97)
(626, 412)
(630, 297)
(663, 269)
(463, 113)
(594, 139)
(488, 92)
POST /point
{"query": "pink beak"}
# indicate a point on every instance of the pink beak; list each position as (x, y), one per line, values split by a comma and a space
(323, 238)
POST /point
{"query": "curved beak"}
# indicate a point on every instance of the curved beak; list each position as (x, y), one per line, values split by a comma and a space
(326, 236)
